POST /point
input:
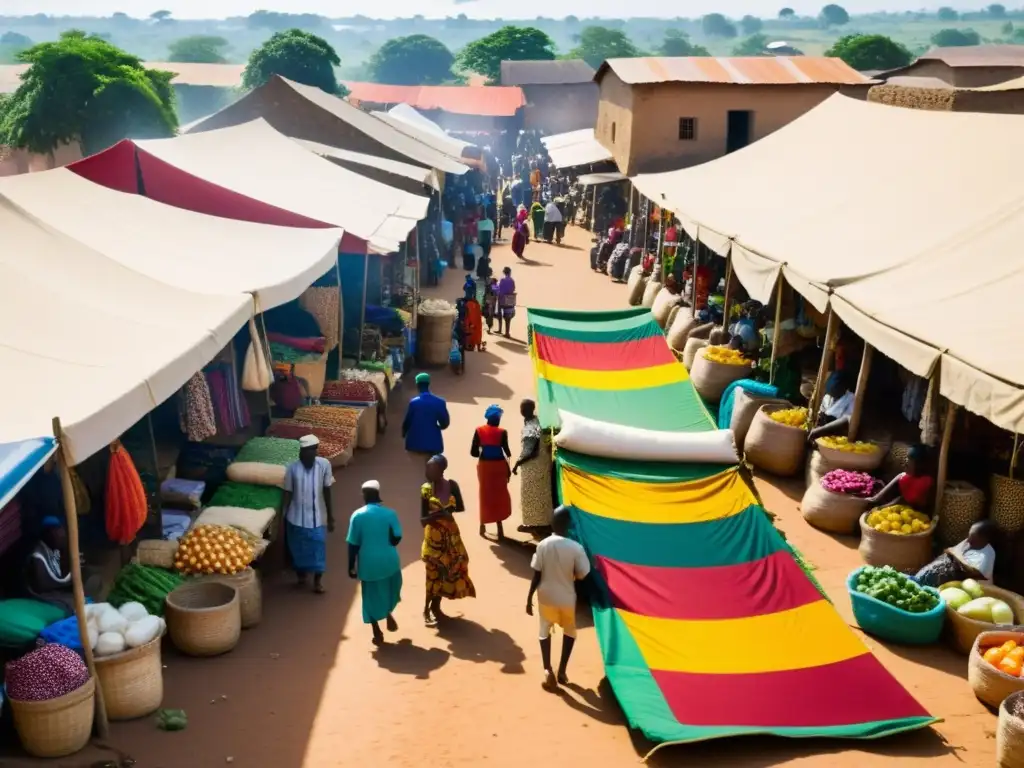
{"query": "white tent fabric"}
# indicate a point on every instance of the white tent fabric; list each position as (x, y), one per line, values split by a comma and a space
(412, 117)
(180, 248)
(256, 161)
(591, 179)
(429, 138)
(575, 148)
(427, 176)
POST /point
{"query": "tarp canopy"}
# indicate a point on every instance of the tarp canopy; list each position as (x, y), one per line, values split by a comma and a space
(575, 148)
(886, 209)
(591, 179)
(480, 100)
(410, 116)
(19, 461)
(414, 173)
(431, 139)
(689, 566)
(252, 172)
(180, 248)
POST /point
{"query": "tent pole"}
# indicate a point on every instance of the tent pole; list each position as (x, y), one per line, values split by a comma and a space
(362, 314)
(74, 555)
(593, 210)
(831, 334)
(341, 311)
(661, 244)
(943, 469)
(862, 389)
(265, 342)
(693, 275)
(416, 280)
(647, 221)
(777, 330)
(728, 288)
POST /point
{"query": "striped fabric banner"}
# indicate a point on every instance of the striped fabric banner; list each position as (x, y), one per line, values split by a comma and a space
(708, 626)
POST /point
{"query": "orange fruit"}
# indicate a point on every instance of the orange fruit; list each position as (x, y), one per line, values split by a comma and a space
(1008, 646)
(994, 655)
(1017, 654)
(1010, 667)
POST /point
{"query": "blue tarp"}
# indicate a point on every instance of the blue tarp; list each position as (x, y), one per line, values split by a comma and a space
(19, 461)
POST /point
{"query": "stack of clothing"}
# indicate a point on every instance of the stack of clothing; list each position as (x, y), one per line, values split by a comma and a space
(295, 349)
(229, 406)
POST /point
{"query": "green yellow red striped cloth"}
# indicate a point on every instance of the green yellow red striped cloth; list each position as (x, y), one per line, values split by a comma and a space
(708, 626)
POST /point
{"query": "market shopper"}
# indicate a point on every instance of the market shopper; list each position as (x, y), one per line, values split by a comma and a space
(443, 553)
(374, 532)
(490, 448)
(836, 407)
(490, 305)
(972, 558)
(508, 213)
(913, 487)
(506, 301)
(552, 221)
(558, 564)
(534, 469)
(309, 514)
(425, 418)
(520, 234)
(485, 232)
(537, 217)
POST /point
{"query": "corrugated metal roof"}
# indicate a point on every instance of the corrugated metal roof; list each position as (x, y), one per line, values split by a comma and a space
(977, 56)
(214, 75)
(735, 70)
(564, 72)
(488, 101)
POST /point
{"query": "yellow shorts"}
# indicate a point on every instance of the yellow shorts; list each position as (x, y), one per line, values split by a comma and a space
(562, 615)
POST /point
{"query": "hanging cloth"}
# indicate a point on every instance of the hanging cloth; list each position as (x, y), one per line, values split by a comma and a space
(256, 375)
(195, 409)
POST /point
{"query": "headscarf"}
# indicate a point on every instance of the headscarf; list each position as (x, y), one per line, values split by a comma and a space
(51, 521)
(439, 458)
(493, 413)
(423, 379)
(521, 214)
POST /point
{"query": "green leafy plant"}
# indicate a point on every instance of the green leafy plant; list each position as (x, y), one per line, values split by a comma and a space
(296, 55)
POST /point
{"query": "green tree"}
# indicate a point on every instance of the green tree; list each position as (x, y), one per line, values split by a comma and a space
(198, 49)
(11, 44)
(295, 55)
(952, 38)
(868, 52)
(996, 11)
(787, 13)
(159, 16)
(597, 44)
(1007, 28)
(751, 25)
(945, 13)
(833, 15)
(484, 56)
(677, 43)
(755, 45)
(412, 60)
(82, 88)
(716, 25)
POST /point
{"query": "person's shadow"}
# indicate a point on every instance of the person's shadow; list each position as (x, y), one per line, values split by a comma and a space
(404, 658)
(469, 641)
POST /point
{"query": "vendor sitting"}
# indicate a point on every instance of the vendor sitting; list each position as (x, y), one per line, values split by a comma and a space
(746, 327)
(836, 407)
(972, 558)
(913, 487)
(48, 571)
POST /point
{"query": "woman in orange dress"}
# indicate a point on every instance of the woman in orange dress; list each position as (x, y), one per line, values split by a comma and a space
(473, 318)
(490, 446)
(443, 553)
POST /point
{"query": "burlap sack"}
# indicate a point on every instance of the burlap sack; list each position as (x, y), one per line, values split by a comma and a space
(710, 379)
(635, 284)
(650, 293)
(744, 408)
(679, 329)
(690, 350)
(774, 447)
(663, 305)
(832, 512)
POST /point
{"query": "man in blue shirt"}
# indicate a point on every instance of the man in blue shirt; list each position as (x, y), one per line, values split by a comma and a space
(425, 418)
(374, 532)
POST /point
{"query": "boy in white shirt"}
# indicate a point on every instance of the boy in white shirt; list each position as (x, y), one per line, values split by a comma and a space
(558, 564)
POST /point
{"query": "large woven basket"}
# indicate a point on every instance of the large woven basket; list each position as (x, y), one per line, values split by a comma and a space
(1010, 735)
(1006, 503)
(962, 506)
(679, 329)
(817, 468)
(204, 618)
(56, 727)
(132, 681)
(744, 409)
(366, 435)
(774, 447)
(710, 379)
(250, 593)
(989, 684)
(157, 552)
(907, 553)
(858, 462)
(635, 284)
(964, 631)
(832, 512)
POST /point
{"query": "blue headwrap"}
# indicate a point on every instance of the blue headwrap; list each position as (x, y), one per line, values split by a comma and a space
(51, 521)
(438, 458)
(493, 412)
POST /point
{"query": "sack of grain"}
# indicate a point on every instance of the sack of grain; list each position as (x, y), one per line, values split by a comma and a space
(663, 304)
(907, 553)
(744, 407)
(817, 467)
(774, 447)
(690, 350)
(651, 292)
(832, 512)
(679, 329)
(636, 285)
(710, 379)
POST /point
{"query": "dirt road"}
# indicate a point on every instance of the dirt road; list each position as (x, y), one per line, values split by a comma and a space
(306, 689)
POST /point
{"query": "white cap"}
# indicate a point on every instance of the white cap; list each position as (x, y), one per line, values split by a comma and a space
(308, 441)
(371, 485)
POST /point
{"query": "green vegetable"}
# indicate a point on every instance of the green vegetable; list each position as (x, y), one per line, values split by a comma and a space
(171, 720)
(144, 584)
(247, 496)
(896, 589)
(972, 588)
(270, 450)
(1001, 613)
(955, 597)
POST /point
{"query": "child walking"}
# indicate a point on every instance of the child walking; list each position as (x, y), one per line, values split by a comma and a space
(558, 564)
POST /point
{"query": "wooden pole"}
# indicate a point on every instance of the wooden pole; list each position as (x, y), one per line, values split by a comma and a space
(943, 469)
(1013, 456)
(74, 555)
(647, 221)
(728, 287)
(341, 310)
(831, 334)
(265, 345)
(862, 389)
(416, 280)
(693, 275)
(661, 245)
(777, 330)
(362, 313)
(593, 210)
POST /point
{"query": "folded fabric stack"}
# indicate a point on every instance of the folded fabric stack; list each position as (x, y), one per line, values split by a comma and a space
(295, 349)
(349, 391)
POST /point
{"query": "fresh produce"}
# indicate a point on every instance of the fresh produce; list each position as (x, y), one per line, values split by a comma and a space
(269, 450)
(955, 597)
(126, 503)
(247, 496)
(171, 720)
(144, 584)
(895, 589)
(112, 630)
(987, 609)
(791, 417)
(851, 483)
(46, 673)
(847, 445)
(334, 416)
(1007, 658)
(972, 588)
(899, 519)
(208, 549)
(725, 356)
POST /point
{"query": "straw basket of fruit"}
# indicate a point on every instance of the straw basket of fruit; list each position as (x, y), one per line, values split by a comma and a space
(777, 439)
(975, 607)
(994, 666)
(1010, 733)
(836, 502)
(898, 536)
(891, 606)
(843, 453)
(715, 368)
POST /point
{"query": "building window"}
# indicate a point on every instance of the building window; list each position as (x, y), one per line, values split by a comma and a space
(687, 128)
(613, 133)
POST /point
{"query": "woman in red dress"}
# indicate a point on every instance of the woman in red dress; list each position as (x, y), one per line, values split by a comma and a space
(914, 487)
(490, 447)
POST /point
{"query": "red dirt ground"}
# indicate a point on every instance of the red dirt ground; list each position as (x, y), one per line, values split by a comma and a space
(306, 689)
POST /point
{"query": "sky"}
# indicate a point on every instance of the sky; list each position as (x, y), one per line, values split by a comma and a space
(205, 9)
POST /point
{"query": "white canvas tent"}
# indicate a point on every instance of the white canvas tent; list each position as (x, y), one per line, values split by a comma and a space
(904, 219)
(574, 148)
(425, 176)
(403, 117)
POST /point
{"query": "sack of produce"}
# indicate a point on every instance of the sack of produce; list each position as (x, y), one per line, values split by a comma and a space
(636, 284)
(718, 336)
(257, 473)
(744, 407)
(816, 469)
(1006, 503)
(256, 521)
(714, 369)
(837, 501)
(651, 291)
(679, 329)
(994, 666)
(963, 505)
(1010, 732)
(974, 607)
(894, 607)
(269, 450)
(672, 315)
(126, 504)
(702, 332)
(897, 536)
(776, 442)
(663, 304)
(843, 453)
(690, 350)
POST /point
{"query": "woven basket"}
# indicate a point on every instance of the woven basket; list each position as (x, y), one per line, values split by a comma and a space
(56, 727)
(132, 682)
(663, 305)
(744, 408)
(679, 329)
(832, 512)
(703, 332)
(690, 350)
(636, 284)
(855, 462)
(250, 593)
(962, 506)
(907, 553)
(651, 291)
(157, 552)
(710, 379)
(774, 447)
(816, 469)
(895, 460)
(204, 618)
(1010, 735)
(366, 435)
(989, 684)
(1006, 503)
(964, 631)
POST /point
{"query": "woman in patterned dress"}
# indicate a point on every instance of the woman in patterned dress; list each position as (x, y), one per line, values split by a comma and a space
(535, 462)
(443, 553)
